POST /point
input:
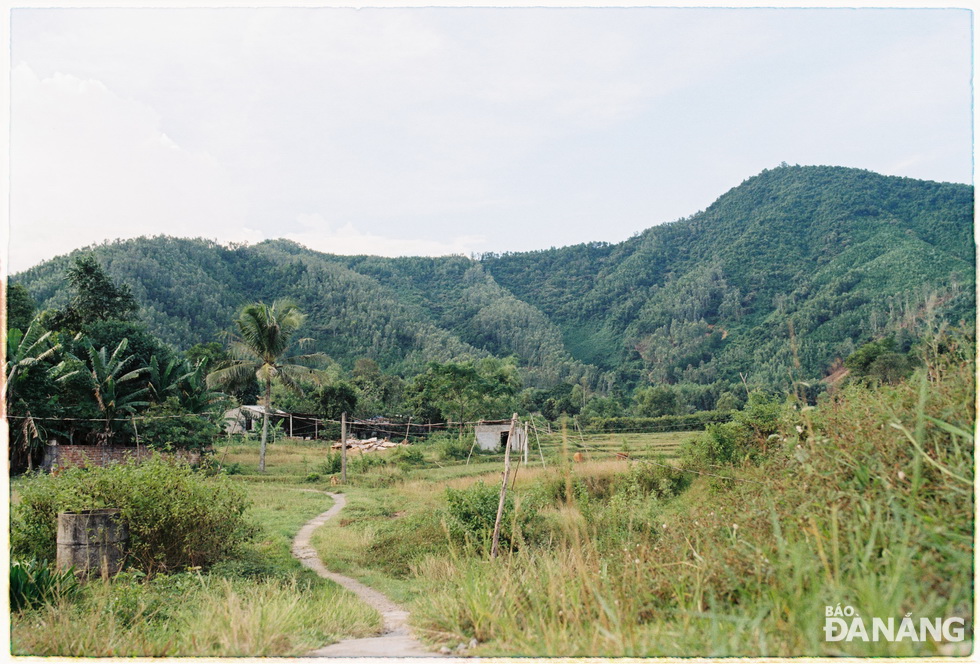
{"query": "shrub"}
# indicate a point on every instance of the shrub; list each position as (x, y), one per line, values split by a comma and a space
(717, 445)
(33, 583)
(473, 513)
(745, 438)
(648, 479)
(408, 456)
(450, 448)
(163, 429)
(330, 465)
(177, 518)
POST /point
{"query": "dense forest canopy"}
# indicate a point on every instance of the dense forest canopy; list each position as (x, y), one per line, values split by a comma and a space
(797, 265)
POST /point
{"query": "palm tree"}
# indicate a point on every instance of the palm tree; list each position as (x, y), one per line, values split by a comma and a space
(260, 350)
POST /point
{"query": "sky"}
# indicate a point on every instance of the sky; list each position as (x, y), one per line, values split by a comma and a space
(434, 131)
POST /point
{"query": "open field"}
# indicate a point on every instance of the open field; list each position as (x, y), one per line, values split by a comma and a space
(607, 556)
(294, 460)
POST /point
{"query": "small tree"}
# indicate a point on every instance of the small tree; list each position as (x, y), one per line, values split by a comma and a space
(30, 389)
(95, 297)
(466, 390)
(115, 390)
(261, 351)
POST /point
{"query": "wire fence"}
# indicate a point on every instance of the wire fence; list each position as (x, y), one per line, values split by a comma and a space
(405, 429)
(381, 425)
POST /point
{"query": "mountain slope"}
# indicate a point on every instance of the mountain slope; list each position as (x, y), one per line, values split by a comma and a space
(843, 254)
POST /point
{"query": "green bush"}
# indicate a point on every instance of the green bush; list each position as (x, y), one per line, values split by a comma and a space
(648, 479)
(473, 513)
(717, 445)
(408, 456)
(168, 426)
(177, 518)
(449, 448)
(331, 465)
(745, 438)
(33, 583)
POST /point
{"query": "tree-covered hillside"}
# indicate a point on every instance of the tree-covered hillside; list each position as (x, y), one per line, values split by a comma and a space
(843, 255)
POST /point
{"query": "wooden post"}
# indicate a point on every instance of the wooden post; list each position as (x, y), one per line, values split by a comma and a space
(503, 489)
(290, 425)
(538, 440)
(343, 448)
(408, 428)
(527, 443)
(473, 446)
(135, 430)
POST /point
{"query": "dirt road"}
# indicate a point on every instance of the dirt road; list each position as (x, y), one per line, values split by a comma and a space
(396, 641)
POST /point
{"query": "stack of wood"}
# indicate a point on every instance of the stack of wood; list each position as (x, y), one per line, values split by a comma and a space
(369, 445)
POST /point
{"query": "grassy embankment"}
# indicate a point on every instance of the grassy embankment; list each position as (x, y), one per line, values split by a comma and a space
(261, 604)
(865, 501)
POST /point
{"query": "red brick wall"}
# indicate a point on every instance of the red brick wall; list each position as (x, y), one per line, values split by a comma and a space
(65, 456)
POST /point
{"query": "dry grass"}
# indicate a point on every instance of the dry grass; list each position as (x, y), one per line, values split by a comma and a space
(850, 514)
(220, 619)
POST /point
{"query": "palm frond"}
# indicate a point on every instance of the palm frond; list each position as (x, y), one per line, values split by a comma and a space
(312, 360)
(297, 373)
(232, 375)
(241, 351)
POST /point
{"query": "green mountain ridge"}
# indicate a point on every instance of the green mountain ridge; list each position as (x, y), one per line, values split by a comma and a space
(844, 255)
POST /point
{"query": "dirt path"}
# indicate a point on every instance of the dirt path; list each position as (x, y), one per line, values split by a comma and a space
(396, 641)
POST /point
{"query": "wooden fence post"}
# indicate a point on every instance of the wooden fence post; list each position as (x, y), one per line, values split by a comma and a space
(343, 448)
(503, 488)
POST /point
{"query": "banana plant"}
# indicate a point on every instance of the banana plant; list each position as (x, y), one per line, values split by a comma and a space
(33, 349)
(25, 350)
(196, 397)
(115, 390)
(164, 380)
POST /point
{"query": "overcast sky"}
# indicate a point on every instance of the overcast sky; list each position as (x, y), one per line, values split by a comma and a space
(452, 130)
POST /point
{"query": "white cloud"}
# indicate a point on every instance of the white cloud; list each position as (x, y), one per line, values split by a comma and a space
(319, 234)
(534, 127)
(89, 165)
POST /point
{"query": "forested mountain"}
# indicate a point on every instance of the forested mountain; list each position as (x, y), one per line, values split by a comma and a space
(840, 255)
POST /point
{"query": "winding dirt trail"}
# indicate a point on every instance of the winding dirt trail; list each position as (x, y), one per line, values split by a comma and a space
(396, 641)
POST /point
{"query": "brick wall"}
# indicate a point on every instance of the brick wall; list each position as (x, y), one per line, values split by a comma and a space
(65, 456)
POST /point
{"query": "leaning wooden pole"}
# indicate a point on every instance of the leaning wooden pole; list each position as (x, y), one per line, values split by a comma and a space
(536, 438)
(343, 448)
(526, 442)
(503, 488)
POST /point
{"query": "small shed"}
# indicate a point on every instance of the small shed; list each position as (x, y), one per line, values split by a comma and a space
(294, 425)
(493, 436)
(248, 418)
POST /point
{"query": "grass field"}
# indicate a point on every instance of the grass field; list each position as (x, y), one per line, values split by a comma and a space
(625, 550)
(610, 557)
(264, 603)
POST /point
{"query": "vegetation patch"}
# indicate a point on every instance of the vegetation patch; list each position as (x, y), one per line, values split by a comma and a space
(177, 518)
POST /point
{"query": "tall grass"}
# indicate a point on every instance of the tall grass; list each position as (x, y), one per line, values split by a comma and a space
(218, 617)
(860, 501)
(262, 603)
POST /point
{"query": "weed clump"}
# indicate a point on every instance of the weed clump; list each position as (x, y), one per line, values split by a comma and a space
(33, 583)
(472, 513)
